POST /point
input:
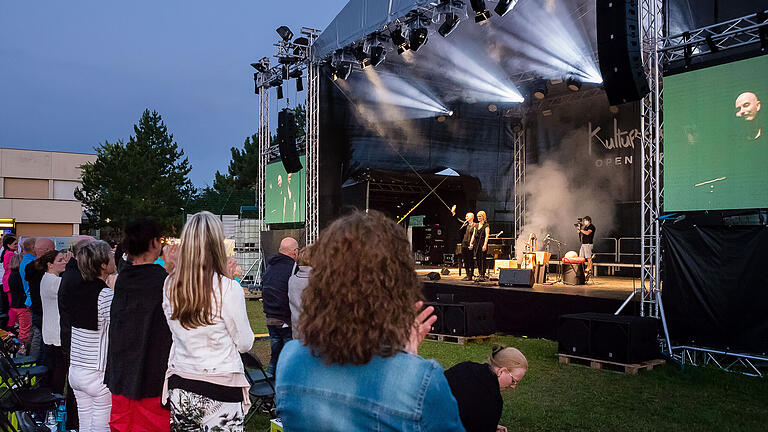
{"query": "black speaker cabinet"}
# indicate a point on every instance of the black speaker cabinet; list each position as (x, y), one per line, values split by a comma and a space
(286, 138)
(621, 339)
(516, 278)
(437, 326)
(445, 298)
(619, 51)
(468, 319)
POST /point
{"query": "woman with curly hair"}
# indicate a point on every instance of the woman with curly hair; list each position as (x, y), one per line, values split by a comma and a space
(358, 368)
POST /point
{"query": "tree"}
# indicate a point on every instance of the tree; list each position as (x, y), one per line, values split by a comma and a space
(146, 177)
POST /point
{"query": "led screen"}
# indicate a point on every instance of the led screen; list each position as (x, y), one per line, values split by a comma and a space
(285, 194)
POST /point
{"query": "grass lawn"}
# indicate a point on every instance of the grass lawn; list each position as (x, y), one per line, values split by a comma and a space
(555, 397)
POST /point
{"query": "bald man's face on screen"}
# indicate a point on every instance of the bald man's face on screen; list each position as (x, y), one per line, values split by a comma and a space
(747, 106)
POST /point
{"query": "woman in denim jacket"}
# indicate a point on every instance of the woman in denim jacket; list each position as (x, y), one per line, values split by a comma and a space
(358, 368)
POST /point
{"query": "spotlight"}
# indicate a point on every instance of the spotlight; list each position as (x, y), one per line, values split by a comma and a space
(256, 83)
(378, 54)
(450, 113)
(573, 84)
(276, 82)
(285, 33)
(450, 24)
(400, 42)
(481, 13)
(504, 6)
(418, 37)
(299, 85)
(280, 92)
(441, 118)
(262, 65)
(302, 41)
(540, 89)
(297, 73)
(362, 57)
(344, 70)
(493, 107)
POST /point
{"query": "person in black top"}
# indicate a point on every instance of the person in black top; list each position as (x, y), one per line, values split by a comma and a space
(477, 387)
(274, 285)
(139, 337)
(33, 273)
(479, 244)
(587, 235)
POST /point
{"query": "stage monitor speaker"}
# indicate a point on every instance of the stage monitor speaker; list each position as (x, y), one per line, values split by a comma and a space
(445, 298)
(573, 335)
(468, 319)
(619, 51)
(516, 278)
(437, 326)
(286, 139)
(617, 338)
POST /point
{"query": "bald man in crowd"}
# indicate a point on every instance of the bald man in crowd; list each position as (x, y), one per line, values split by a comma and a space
(274, 286)
(748, 110)
(33, 273)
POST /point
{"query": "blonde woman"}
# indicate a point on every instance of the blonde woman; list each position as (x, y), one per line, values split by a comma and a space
(205, 385)
(477, 387)
(479, 244)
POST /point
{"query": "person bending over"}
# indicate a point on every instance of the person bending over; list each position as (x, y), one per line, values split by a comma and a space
(357, 367)
(477, 387)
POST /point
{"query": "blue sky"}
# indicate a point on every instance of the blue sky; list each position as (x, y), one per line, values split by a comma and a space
(74, 74)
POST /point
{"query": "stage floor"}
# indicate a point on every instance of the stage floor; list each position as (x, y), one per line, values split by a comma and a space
(607, 287)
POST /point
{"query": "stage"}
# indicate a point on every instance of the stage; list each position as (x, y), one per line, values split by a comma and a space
(534, 312)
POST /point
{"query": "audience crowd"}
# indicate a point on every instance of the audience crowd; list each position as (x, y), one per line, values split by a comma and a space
(142, 343)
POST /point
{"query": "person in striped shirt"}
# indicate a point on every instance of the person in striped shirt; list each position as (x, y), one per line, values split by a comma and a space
(90, 330)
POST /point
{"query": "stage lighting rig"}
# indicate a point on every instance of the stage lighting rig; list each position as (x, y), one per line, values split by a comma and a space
(285, 33)
(504, 6)
(378, 54)
(262, 66)
(296, 74)
(343, 70)
(399, 40)
(481, 13)
(362, 56)
(418, 38)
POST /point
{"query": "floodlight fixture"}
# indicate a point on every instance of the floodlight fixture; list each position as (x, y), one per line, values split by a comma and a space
(540, 89)
(262, 65)
(279, 92)
(399, 40)
(378, 54)
(299, 84)
(504, 6)
(449, 25)
(285, 33)
(573, 84)
(296, 73)
(418, 37)
(344, 70)
(481, 13)
(493, 107)
(301, 41)
(362, 57)
(276, 82)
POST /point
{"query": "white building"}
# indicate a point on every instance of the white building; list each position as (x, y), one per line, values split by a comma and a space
(37, 190)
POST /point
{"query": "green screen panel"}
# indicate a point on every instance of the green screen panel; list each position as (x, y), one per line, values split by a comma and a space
(716, 137)
(285, 195)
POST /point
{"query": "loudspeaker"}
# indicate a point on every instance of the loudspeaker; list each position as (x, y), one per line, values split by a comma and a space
(445, 298)
(433, 276)
(621, 339)
(468, 319)
(619, 51)
(437, 326)
(286, 139)
(573, 335)
(516, 277)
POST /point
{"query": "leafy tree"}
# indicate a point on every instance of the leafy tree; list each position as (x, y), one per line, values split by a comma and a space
(145, 177)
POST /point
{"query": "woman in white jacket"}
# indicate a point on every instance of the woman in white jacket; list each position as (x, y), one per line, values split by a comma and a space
(206, 385)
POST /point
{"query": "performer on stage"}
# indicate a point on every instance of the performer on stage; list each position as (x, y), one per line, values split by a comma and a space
(467, 230)
(587, 235)
(479, 243)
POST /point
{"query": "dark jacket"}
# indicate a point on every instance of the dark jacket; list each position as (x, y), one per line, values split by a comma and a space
(34, 276)
(274, 285)
(71, 280)
(139, 337)
(18, 296)
(477, 392)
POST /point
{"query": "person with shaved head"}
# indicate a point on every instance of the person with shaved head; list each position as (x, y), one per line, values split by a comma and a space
(748, 110)
(274, 286)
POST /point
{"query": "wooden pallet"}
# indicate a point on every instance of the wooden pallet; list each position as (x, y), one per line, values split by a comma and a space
(631, 369)
(459, 340)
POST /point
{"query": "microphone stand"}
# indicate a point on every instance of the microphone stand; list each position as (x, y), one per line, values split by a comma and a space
(559, 255)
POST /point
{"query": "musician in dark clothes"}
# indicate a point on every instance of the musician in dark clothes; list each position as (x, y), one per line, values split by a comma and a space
(477, 387)
(479, 244)
(466, 230)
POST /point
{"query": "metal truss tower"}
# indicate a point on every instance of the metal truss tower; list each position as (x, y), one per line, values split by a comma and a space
(264, 143)
(518, 167)
(651, 189)
(312, 225)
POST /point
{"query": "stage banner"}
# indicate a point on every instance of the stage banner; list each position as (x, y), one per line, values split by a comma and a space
(715, 282)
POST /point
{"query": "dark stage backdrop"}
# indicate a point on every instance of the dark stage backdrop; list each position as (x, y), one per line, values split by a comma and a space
(600, 147)
(716, 286)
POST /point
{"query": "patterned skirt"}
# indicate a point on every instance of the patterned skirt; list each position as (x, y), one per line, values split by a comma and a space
(193, 412)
